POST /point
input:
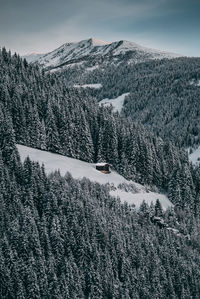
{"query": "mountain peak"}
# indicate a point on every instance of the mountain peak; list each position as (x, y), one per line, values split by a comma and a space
(98, 42)
(127, 43)
(94, 49)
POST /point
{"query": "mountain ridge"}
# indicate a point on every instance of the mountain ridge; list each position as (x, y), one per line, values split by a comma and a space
(97, 50)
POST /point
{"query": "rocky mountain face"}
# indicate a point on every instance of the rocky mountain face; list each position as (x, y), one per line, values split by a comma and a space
(96, 52)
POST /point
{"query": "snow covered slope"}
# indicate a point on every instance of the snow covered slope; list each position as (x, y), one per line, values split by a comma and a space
(95, 85)
(97, 52)
(32, 57)
(117, 103)
(195, 82)
(80, 169)
(195, 156)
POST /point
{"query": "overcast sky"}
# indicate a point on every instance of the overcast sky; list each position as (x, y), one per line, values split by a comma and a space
(42, 25)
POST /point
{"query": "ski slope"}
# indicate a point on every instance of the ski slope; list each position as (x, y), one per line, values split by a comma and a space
(117, 103)
(80, 169)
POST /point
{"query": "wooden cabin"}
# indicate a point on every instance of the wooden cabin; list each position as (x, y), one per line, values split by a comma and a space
(103, 167)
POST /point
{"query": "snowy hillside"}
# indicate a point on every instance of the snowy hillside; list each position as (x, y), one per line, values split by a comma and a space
(79, 169)
(95, 50)
(195, 156)
(117, 103)
(95, 86)
(32, 57)
(194, 82)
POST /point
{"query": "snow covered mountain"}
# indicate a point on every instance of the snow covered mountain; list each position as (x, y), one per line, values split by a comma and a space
(128, 191)
(32, 56)
(97, 52)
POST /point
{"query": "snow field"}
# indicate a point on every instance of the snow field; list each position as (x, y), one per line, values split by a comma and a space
(117, 103)
(80, 169)
(95, 85)
(195, 156)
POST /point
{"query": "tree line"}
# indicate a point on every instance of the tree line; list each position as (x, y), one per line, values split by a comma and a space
(66, 238)
(164, 94)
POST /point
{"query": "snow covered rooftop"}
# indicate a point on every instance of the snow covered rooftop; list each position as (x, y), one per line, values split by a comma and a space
(101, 164)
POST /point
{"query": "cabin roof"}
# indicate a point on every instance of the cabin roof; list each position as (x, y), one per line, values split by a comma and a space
(101, 164)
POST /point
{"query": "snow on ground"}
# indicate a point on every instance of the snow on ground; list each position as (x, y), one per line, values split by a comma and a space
(127, 46)
(195, 156)
(194, 82)
(71, 51)
(80, 169)
(95, 85)
(117, 103)
(98, 42)
(138, 198)
(77, 168)
(66, 66)
(96, 48)
(32, 57)
(92, 68)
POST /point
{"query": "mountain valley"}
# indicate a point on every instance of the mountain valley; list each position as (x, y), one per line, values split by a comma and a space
(70, 231)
